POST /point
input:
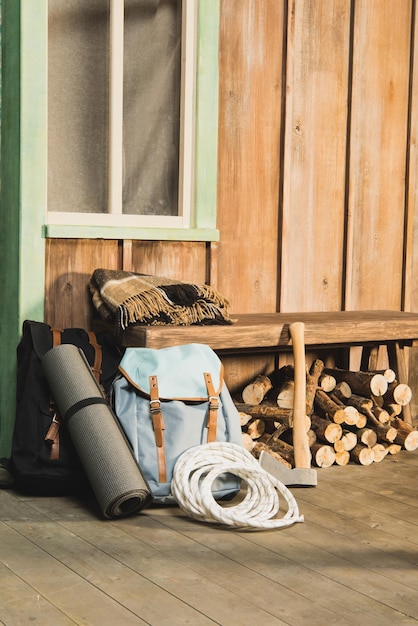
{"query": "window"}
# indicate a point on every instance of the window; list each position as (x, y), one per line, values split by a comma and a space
(132, 119)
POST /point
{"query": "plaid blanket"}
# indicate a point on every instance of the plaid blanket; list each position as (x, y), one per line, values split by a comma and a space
(127, 298)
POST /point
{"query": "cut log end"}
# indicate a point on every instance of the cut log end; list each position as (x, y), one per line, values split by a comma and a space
(402, 394)
(285, 397)
(393, 448)
(381, 414)
(362, 455)
(247, 442)
(343, 390)
(325, 429)
(342, 457)
(327, 383)
(349, 439)
(409, 441)
(244, 418)
(367, 436)
(378, 385)
(256, 428)
(406, 436)
(323, 455)
(351, 415)
(255, 392)
(379, 452)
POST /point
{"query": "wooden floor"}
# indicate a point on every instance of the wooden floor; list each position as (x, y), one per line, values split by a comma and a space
(354, 560)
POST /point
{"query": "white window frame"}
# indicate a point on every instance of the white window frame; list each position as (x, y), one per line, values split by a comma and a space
(198, 143)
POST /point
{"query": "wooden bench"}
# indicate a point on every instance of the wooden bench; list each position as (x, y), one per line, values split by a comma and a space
(269, 332)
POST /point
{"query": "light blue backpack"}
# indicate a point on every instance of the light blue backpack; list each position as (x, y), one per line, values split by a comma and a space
(172, 399)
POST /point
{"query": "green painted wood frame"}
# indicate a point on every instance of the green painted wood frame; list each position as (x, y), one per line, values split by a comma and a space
(23, 187)
(24, 175)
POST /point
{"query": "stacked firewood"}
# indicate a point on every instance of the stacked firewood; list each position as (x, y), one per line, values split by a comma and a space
(350, 416)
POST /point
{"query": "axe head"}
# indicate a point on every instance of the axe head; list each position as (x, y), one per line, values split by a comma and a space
(302, 476)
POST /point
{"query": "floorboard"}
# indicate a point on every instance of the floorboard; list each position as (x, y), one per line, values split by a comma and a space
(353, 560)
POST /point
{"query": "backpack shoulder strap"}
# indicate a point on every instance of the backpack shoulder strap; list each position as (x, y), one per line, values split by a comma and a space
(98, 355)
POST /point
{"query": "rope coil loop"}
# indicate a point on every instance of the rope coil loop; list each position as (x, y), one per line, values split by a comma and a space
(198, 467)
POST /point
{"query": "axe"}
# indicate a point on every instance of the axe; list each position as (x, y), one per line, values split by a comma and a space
(302, 473)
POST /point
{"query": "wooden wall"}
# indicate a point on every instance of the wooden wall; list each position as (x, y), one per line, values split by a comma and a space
(317, 176)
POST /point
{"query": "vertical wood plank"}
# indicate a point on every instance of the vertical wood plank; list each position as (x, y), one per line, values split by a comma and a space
(212, 264)
(127, 255)
(410, 296)
(68, 268)
(251, 39)
(379, 115)
(315, 155)
(182, 260)
(250, 122)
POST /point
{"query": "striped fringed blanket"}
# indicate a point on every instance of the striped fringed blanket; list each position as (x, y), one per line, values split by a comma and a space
(127, 298)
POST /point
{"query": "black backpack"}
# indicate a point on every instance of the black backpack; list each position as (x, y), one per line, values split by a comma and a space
(43, 459)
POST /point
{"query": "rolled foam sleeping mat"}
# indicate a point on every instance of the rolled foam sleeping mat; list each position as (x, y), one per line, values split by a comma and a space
(107, 459)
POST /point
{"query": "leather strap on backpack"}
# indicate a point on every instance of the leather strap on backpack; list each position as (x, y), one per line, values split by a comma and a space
(53, 435)
(56, 337)
(213, 408)
(97, 365)
(158, 423)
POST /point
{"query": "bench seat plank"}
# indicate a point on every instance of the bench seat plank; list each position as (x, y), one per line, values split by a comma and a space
(271, 330)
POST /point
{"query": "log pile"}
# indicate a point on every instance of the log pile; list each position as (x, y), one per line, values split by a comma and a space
(350, 416)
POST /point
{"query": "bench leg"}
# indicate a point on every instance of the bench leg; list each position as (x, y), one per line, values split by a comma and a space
(397, 357)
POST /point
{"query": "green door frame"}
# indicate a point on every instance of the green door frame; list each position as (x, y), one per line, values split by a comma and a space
(23, 188)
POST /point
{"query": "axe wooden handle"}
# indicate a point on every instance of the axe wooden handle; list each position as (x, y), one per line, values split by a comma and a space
(300, 436)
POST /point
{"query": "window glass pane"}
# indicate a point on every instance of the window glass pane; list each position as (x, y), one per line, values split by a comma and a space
(78, 95)
(77, 105)
(151, 106)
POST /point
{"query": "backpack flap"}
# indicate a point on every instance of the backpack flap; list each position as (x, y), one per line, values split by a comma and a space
(179, 370)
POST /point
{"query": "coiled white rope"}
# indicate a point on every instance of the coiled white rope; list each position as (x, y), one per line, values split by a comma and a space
(198, 467)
